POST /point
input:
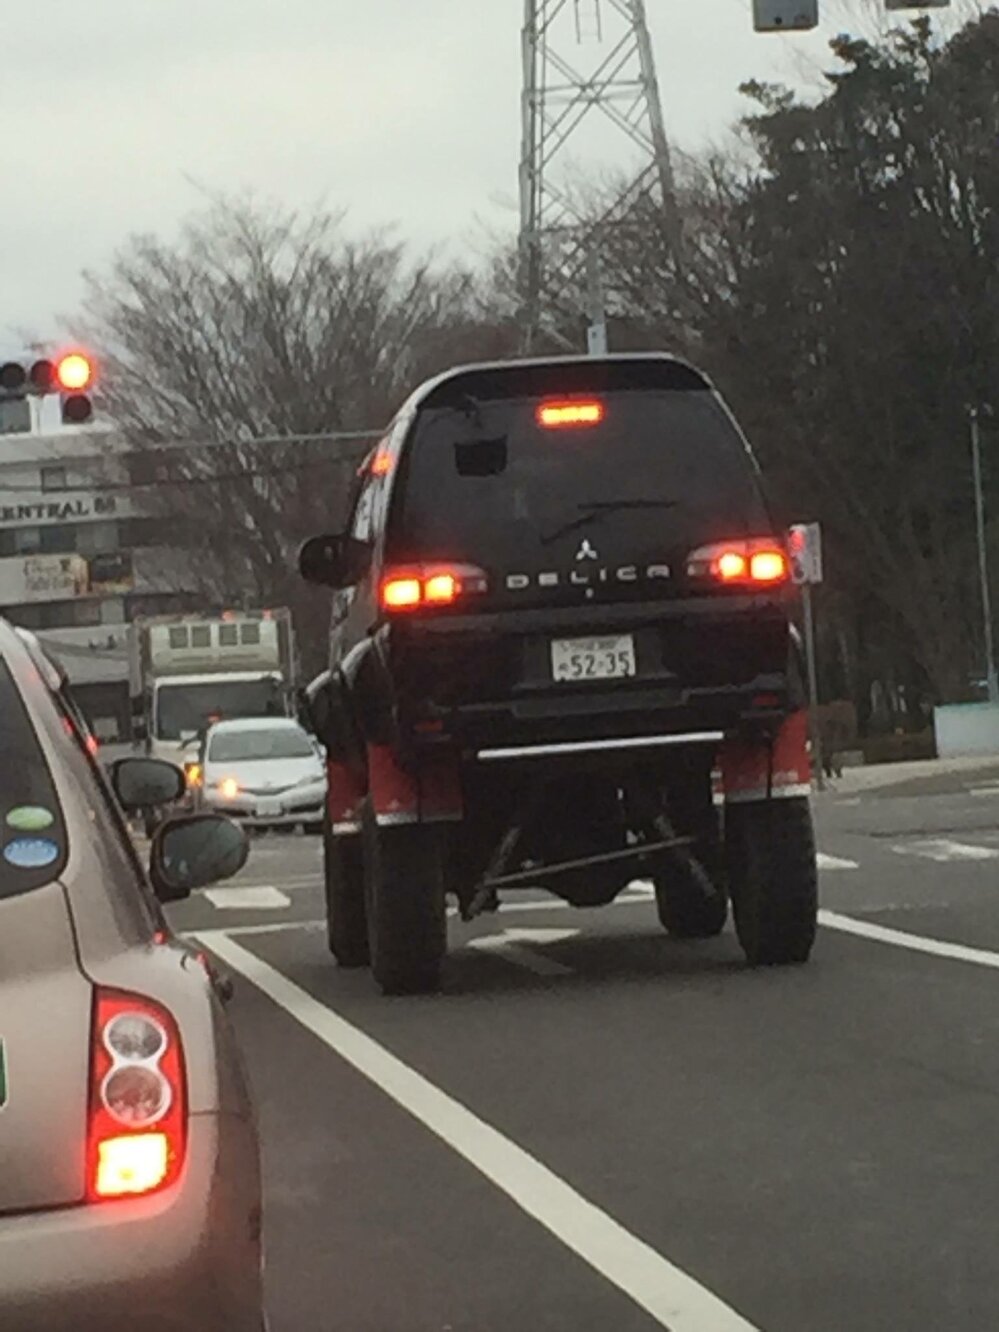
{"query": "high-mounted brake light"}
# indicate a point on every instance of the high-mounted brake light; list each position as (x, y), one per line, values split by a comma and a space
(137, 1130)
(759, 562)
(430, 585)
(571, 412)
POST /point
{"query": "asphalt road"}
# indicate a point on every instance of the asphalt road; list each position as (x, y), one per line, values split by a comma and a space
(596, 1128)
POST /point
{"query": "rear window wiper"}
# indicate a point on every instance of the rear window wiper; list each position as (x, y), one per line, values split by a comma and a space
(597, 508)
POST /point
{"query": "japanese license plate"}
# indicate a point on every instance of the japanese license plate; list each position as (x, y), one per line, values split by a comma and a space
(268, 809)
(580, 659)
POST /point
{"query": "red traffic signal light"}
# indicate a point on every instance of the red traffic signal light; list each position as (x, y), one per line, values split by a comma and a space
(74, 372)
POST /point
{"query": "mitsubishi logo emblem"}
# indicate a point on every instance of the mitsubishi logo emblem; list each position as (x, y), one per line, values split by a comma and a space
(586, 551)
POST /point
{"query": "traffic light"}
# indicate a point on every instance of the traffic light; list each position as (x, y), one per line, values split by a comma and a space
(72, 375)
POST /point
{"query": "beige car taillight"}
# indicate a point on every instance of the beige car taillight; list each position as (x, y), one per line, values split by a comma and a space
(137, 1130)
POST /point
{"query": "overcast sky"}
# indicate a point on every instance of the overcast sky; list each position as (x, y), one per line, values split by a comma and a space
(405, 111)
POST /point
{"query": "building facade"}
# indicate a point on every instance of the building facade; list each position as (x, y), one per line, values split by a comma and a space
(80, 559)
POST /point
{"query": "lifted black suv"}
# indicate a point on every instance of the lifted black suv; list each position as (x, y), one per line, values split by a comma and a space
(560, 638)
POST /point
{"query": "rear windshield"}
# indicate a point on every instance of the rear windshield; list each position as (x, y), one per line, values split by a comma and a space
(661, 469)
(268, 743)
(32, 832)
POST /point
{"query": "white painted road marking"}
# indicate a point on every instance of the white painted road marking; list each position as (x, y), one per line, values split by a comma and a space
(675, 1300)
(942, 850)
(508, 946)
(834, 862)
(264, 898)
(916, 943)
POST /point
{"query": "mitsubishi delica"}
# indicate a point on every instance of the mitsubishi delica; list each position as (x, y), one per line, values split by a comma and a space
(562, 655)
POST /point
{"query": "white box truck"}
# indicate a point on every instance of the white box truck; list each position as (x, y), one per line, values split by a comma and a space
(187, 671)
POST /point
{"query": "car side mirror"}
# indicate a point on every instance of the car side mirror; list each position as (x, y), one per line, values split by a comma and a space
(142, 783)
(193, 852)
(321, 560)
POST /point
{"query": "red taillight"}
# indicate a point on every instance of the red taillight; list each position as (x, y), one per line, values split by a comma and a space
(759, 562)
(425, 586)
(563, 414)
(137, 1130)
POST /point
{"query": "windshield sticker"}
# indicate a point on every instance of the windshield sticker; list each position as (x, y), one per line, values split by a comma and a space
(31, 852)
(30, 818)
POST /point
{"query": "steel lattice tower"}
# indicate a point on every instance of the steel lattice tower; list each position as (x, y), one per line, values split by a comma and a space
(584, 60)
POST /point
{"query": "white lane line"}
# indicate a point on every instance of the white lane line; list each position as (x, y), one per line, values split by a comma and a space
(834, 862)
(675, 1300)
(942, 850)
(916, 943)
(278, 927)
(509, 946)
(984, 791)
(263, 898)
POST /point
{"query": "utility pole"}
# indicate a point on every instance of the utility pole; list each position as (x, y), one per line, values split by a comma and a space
(584, 61)
(974, 414)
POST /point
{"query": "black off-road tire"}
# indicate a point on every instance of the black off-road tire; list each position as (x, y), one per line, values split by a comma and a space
(691, 894)
(685, 910)
(407, 917)
(346, 915)
(773, 877)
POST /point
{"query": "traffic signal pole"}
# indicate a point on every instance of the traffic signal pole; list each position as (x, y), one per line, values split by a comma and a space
(983, 554)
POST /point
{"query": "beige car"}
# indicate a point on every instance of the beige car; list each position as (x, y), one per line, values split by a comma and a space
(129, 1179)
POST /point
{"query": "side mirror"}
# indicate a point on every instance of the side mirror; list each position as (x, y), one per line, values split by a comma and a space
(192, 852)
(141, 783)
(321, 560)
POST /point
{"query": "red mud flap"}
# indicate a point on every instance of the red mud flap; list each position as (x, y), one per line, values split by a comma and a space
(752, 770)
(434, 796)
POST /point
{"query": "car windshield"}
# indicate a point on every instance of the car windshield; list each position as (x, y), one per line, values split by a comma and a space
(187, 709)
(32, 832)
(271, 742)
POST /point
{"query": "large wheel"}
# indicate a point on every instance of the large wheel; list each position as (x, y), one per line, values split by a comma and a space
(404, 891)
(346, 917)
(691, 896)
(689, 906)
(770, 848)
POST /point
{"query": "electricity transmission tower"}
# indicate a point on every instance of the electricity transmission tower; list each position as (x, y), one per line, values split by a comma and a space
(584, 61)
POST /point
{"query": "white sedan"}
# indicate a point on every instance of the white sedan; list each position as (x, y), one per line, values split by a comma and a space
(262, 771)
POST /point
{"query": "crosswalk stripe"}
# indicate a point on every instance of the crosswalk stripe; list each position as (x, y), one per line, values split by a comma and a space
(942, 850)
(263, 898)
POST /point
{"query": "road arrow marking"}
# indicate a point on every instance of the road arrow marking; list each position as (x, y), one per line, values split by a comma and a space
(509, 946)
(834, 862)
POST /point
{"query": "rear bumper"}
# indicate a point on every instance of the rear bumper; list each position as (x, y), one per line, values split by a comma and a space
(187, 1258)
(485, 682)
